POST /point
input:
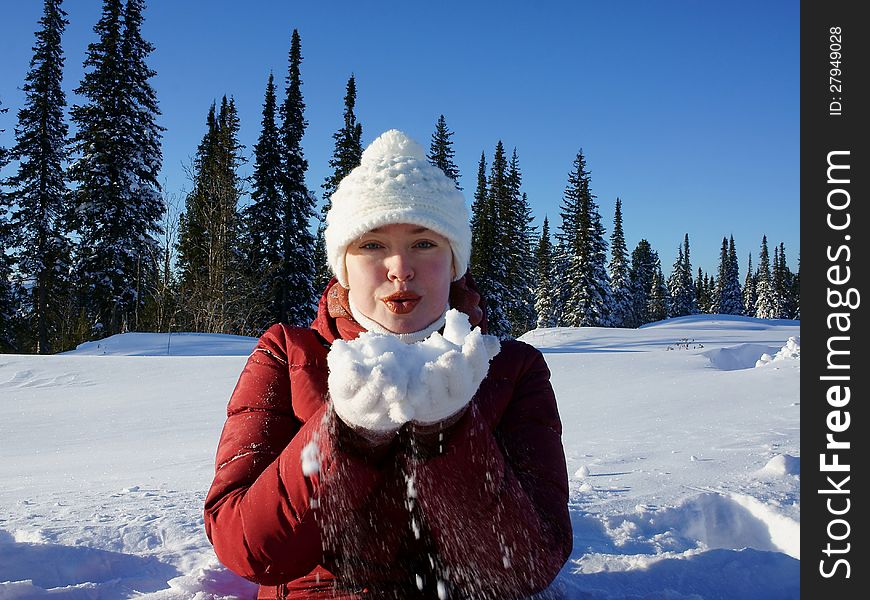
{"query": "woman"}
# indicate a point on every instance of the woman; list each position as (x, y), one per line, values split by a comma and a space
(390, 451)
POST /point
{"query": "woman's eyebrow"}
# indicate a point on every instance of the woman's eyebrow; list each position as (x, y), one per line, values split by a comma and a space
(415, 231)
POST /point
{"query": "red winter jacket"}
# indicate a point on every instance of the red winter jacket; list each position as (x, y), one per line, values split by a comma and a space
(478, 509)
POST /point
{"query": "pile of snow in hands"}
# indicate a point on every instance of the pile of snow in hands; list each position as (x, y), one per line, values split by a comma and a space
(380, 383)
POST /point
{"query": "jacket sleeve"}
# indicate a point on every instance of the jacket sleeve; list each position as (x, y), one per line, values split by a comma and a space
(260, 510)
(496, 499)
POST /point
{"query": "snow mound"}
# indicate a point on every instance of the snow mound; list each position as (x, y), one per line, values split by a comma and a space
(29, 570)
(165, 344)
(708, 520)
(781, 465)
(741, 356)
(791, 351)
(705, 322)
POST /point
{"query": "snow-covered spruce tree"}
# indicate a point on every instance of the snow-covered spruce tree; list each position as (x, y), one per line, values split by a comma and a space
(482, 237)
(262, 219)
(643, 266)
(726, 298)
(213, 285)
(700, 291)
(688, 283)
(561, 260)
(518, 234)
(117, 201)
(674, 285)
(620, 284)
(526, 317)
(345, 157)
(681, 288)
(37, 226)
(734, 273)
(749, 295)
(490, 249)
(8, 300)
(441, 151)
(586, 283)
(298, 294)
(194, 234)
(709, 293)
(546, 286)
(716, 292)
(657, 302)
(484, 243)
(146, 158)
(765, 303)
(692, 299)
(782, 284)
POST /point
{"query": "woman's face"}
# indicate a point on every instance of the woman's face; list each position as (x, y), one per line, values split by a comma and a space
(399, 276)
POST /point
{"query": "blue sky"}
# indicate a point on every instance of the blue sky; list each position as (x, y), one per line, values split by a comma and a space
(686, 110)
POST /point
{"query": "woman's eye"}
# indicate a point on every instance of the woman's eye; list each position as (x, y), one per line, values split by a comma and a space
(370, 246)
(424, 244)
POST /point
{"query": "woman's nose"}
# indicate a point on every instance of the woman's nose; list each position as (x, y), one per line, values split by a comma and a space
(399, 267)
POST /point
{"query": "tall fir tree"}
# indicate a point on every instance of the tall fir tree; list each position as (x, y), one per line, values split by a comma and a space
(482, 234)
(657, 302)
(546, 287)
(734, 273)
(39, 225)
(644, 265)
(727, 298)
(688, 283)
(717, 292)
(262, 219)
(297, 293)
(117, 201)
(620, 283)
(681, 288)
(782, 284)
(586, 285)
(212, 280)
(765, 303)
(749, 295)
(8, 298)
(145, 160)
(701, 296)
(674, 285)
(441, 151)
(345, 157)
(491, 249)
(515, 219)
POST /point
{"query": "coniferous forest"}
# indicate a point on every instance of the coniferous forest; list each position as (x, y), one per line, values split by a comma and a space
(90, 248)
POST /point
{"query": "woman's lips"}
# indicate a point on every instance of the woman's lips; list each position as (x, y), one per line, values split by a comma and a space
(401, 303)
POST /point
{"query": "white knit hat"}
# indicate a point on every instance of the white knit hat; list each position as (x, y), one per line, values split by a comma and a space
(394, 183)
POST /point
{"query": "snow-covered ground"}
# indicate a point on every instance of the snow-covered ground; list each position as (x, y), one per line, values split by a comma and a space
(682, 440)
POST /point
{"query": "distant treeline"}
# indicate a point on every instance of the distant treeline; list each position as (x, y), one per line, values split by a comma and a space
(89, 246)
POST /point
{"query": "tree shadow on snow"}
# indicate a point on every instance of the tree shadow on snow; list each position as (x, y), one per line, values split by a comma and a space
(48, 566)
